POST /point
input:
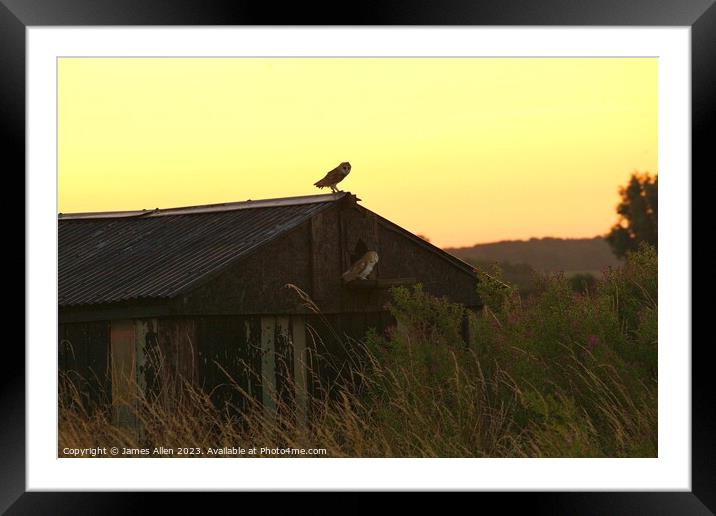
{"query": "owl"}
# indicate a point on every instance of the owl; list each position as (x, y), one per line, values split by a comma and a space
(362, 267)
(334, 177)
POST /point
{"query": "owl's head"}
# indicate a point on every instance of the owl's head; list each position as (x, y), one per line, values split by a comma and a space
(372, 257)
(345, 167)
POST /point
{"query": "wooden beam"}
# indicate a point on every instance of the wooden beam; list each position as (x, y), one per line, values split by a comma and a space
(380, 283)
(88, 313)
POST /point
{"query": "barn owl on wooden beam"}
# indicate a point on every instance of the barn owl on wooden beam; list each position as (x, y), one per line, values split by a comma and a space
(362, 267)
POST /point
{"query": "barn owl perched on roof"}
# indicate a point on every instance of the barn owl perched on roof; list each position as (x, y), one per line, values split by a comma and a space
(334, 177)
(362, 267)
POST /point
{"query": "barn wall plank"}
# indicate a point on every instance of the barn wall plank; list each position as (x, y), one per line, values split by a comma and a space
(145, 335)
(248, 370)
(123, 342)
(176, 348)
(317, 290)
(284, 362)
(326, 259)
(298, 337)
(268, 364)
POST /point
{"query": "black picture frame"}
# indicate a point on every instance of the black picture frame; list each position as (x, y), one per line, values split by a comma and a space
(700, 15)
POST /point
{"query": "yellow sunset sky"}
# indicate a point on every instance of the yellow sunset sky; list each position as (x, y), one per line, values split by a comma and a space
(463, 150)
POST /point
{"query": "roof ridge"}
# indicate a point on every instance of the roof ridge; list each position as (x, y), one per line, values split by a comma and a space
(210, 208)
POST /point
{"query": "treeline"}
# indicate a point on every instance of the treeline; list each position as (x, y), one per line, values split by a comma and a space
(544, 254)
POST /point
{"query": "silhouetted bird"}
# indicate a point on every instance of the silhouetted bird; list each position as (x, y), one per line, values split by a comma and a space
(335, 176)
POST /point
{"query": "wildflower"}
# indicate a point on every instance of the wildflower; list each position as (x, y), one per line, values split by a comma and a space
(592, 342)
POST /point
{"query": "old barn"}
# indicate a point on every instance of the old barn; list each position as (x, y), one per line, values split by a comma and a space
(204, 287)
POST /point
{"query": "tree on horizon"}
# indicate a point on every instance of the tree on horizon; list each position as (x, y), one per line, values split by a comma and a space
(638, 215)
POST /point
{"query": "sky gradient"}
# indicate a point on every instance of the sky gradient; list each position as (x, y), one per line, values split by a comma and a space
(463, 150)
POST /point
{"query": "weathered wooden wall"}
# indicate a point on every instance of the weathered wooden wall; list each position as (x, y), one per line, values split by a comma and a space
(325, 258)
(150, 357)
(256, 284)
(229, 352)
(110, 361)
(254, 359)
(400, 257)
(83, 358)
(239, 360)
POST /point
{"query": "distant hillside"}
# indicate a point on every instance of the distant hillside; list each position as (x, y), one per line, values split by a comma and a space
(544, 254)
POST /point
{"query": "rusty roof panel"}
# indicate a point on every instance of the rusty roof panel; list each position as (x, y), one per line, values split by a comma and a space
(105, 259)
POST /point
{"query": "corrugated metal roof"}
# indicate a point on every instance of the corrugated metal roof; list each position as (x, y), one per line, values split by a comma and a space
(105, 258)
(207, 208)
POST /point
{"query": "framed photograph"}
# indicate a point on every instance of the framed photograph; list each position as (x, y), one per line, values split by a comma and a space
(414, 253)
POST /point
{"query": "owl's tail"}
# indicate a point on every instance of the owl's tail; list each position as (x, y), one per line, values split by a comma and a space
(349, 275)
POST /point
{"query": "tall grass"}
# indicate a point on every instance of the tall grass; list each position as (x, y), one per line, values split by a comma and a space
(561, 374)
